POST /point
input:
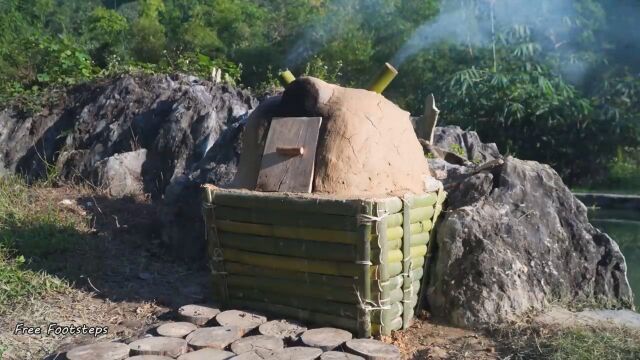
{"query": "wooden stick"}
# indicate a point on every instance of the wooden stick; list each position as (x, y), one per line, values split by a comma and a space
(290, 151)
(430, 118)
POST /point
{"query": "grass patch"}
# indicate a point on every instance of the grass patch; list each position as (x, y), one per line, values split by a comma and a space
(583, 343)
(20, 284)
(32, 229)
(601, 344)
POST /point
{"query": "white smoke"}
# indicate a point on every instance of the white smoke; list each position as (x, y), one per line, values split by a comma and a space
(322, 30)
(478, 23)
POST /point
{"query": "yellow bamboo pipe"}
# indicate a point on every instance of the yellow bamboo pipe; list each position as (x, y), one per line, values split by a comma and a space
(287, 77)
(384, 78)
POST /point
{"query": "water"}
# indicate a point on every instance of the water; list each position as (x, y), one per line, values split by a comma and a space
(624, 227)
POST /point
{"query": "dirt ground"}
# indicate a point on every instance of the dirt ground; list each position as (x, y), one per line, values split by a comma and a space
(120, 277)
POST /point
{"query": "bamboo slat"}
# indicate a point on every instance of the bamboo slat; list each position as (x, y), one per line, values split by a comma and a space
(289, 247)
(309, 278)
(289, 232)
(287, 218)
(292, 264)
(284, 201)
(299, 314)
(303, 303)
(294, 288)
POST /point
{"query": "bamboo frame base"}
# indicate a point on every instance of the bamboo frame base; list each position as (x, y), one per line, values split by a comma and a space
(357, 264)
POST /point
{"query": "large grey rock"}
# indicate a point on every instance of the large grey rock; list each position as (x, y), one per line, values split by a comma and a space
(187, 129)
(514, 238)
(121, 174)
(465, 143)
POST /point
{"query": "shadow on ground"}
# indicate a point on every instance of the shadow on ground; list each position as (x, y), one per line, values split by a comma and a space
(119, 256)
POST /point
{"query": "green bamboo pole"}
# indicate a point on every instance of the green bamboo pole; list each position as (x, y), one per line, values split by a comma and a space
(394, 220)
(420, 239)
(395, 295)
(384, 285)
(287, 218)
(298, 314)
(363, 251)
(427, 225)
(383, 79)
(218, 271)
(289, 247)
(425, 200)
(398, 231)
(346, 283)
(442, 196)
(287, 77)
(437, 212)
(386, 316)
(422, 213)
(294, 288)
(414, 251)
(406, 262)
(388, 206)
(292, 264)
(289, 232)
(299, 302)
(425, 276)
(296, 203)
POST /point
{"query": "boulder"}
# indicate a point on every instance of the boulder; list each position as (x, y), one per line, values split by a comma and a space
(514, 238)
(158, 135)
(121, 174)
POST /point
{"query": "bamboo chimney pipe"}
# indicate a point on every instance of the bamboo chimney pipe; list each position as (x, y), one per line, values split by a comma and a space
(286, 77)
(384, 78)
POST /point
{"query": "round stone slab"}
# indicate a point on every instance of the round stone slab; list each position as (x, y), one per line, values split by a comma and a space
(159, 345)
(207, 354)
(217, 337)
(326, 339)
(176, 329)
(149, 357)
(372, 349)
(197, 314)
(99, 351)
(337, 355)
(297, 353)
(256, 342)
(244, 320)
(286, 330)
